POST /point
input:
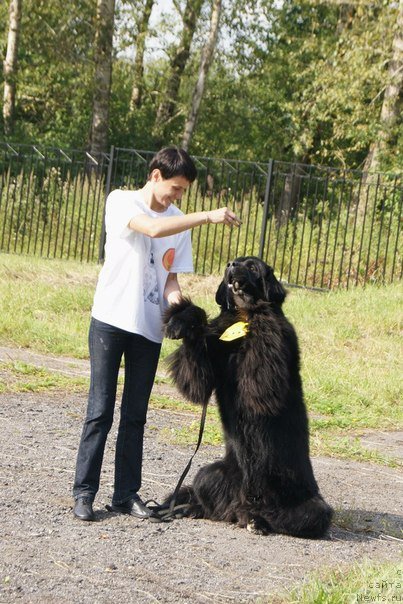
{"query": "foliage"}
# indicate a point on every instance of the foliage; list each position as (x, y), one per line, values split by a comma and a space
(55, 65)
(290, 80)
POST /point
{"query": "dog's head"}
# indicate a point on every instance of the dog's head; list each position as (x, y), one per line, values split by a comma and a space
(247, 280)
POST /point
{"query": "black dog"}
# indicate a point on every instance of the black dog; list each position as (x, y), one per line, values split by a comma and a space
(265, 481)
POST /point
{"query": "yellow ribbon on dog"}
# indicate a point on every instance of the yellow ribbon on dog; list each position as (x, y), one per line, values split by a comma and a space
(235, 331)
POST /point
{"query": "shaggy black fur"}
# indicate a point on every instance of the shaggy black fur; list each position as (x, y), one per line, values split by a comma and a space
(265, 481)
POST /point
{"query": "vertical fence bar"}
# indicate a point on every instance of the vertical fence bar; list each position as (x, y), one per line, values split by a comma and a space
(221, 180)
(25, 218)
(353, 234)
(234, 198)
(195, 188)
(246, 224)
(267, 192)
(288, 212)
(343, 249)
(301, 247)
(32, 218)
(397, 237)
(336, 235)
(329, 222)
(44, 206)
(321, 220)
(372, 227)
(10, 231)
(362, 233)
(210, 205)
(380, 227)
(294, 232)
(102, 239)
(60, 206)
(67, 205)
(312, 225)
(17, 223)
(52, 213)
(256, 214)
(389, 230)
(94, 213)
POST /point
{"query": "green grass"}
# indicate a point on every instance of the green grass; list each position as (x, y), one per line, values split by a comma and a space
(17, 376)
(350, 345)
(45, 304)
(364, 582)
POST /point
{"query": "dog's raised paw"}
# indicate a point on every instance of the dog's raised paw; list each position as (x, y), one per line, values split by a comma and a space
(175, 329)
(189, 323)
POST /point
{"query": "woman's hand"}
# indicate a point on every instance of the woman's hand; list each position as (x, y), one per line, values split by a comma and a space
(223, 216)
(172, 291)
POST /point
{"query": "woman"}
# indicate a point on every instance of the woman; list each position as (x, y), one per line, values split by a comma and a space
(147, 243)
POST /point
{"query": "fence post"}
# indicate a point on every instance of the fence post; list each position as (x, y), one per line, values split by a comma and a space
(266, 207)
(101, 251)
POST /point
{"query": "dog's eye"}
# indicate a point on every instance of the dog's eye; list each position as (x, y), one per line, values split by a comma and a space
(253, 268)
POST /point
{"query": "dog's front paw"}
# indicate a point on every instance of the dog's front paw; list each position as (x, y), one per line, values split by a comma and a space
(184, 320)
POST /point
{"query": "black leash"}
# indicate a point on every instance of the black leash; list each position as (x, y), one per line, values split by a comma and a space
(165, 513)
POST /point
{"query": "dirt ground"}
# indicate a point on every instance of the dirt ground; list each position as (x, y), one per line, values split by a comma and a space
(49, 557)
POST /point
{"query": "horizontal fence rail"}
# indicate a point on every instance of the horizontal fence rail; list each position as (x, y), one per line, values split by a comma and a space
(319, 227)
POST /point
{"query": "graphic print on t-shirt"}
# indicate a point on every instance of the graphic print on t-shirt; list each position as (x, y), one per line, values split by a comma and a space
(150, 290)
(168, 258)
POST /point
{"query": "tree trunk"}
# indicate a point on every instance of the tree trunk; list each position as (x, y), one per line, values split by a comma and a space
(207, 58)
(167, 106)
(137, 90)
(10, 65)
(103, 75)
(392, 100)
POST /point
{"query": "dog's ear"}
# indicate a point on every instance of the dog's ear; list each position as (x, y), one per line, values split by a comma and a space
(274, 290)
(221, 296)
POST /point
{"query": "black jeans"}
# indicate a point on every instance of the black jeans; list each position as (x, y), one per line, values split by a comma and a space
(107, 344)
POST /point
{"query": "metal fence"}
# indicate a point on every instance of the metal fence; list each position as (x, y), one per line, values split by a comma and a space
(317, 226)
(51, 201)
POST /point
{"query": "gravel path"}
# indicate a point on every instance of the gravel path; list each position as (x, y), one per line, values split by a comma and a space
(49, 557)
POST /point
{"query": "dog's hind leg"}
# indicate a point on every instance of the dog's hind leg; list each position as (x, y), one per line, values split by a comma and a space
(310, 519)
(258, 526)
(217, 489)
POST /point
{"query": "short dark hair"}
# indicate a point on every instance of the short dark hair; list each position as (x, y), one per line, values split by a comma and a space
(173, 161)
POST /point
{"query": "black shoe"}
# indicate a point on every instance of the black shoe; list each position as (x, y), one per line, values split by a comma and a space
(83, 509)
(133, 507)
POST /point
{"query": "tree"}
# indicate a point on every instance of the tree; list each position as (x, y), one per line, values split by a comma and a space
(207, 57)
(391, 111)
(10, 65)
(138, 71)
(169, 97)
(103, 75)
(311, 81)
(331, 57)
(55, 72)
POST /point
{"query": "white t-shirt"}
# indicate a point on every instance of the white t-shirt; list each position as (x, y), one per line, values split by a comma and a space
(130, 288)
